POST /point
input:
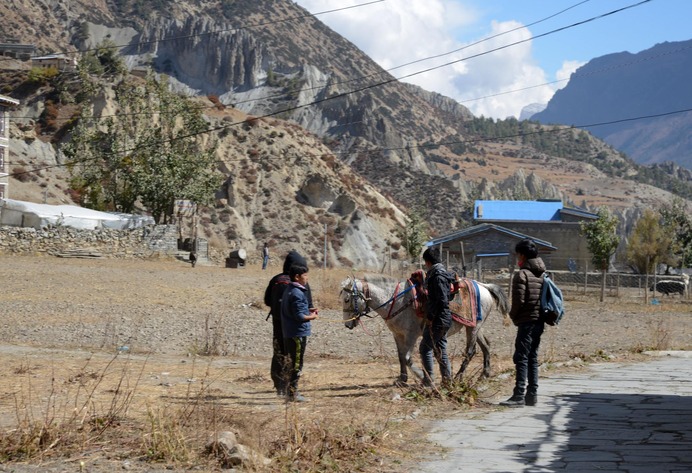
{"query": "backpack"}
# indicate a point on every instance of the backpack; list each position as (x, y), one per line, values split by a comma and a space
(552, 304)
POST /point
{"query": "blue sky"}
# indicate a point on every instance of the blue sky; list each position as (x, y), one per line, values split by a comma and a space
(396, 32)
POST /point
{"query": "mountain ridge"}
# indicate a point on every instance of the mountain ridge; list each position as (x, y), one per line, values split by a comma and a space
(411, 148)
(621, 86)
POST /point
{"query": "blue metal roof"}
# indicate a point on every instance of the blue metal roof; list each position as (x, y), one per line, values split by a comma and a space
(530, 210)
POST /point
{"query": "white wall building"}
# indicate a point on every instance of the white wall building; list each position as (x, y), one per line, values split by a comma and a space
(6, 104)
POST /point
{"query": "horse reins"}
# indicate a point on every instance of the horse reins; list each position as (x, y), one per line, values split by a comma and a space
(365, 296)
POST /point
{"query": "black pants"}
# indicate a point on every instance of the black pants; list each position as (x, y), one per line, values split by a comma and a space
(434, 342)
(526, 357)
(295, 355)
(278, 356)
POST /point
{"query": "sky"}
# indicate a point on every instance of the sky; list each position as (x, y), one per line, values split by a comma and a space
(399, 32)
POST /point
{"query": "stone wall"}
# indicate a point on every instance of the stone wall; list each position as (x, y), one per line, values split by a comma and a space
(140, 242)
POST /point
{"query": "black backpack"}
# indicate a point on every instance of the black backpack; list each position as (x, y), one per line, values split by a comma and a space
(552, 303)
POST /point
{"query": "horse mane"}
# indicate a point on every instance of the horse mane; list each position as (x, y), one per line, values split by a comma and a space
(380, 280)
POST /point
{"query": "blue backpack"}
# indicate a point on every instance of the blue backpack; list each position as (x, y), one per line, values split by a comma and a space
(552, 304)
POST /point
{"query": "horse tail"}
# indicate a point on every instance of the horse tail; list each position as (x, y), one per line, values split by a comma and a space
(499, 297)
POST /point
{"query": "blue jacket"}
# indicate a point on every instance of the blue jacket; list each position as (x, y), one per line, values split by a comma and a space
(294, 309)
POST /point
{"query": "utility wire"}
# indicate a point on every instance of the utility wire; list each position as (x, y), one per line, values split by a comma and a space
(604, 15)
(209, 33)
(393, 79)
(544, 130)
(505, 92)
(235, 103)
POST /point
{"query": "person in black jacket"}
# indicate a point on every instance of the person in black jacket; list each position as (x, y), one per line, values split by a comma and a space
(272, 298)
(438, 283)
(525, 314)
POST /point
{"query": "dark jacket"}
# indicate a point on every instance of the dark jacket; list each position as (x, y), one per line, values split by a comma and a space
(526, 292)
(438, 282)
(277, 285)
(294, 309)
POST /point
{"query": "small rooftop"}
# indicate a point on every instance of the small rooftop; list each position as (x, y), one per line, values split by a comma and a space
(522, 210)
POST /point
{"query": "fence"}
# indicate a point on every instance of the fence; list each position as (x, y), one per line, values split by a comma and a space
(580, 280)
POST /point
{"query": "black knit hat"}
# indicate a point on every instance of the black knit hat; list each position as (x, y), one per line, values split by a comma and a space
(292, 258)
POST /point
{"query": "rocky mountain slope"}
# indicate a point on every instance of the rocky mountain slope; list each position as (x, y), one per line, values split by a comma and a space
(340, 144)
(623, 85)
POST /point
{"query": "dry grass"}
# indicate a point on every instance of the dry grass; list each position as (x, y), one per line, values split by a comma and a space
(62, 406)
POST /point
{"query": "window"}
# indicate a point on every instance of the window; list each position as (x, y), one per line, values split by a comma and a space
(2, 120)
(2, 159)
(2, 191)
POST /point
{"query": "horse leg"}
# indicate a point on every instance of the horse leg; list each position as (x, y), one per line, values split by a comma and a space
(471, 337)
(402, 350)
(404, 346)
(484, 343)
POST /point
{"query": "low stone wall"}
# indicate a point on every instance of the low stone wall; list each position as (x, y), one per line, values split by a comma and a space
(140, 242)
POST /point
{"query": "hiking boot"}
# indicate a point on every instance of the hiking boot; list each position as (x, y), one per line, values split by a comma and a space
(516, 400)
(531, 399)
(297, 397)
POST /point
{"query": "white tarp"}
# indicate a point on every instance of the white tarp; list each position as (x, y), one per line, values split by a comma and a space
(28, 214)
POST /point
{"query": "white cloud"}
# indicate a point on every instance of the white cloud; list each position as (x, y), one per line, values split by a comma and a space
(397, 32)
(567, 69)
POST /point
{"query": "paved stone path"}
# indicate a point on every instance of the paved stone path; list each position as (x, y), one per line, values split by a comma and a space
(634, 418)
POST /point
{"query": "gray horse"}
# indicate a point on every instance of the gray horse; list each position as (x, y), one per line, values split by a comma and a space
(376, 293)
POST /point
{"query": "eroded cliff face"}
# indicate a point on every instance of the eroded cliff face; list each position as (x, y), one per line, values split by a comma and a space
(341, 133)
(208, 57)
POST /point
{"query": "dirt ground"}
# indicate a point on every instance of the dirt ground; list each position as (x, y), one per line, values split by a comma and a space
(130, 364)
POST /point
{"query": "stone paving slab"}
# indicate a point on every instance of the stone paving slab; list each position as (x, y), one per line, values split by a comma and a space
(614, 417)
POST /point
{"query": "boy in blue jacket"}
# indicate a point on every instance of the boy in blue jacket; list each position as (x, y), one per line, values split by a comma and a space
(295, 319)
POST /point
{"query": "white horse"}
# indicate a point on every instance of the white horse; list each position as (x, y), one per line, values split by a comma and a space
(377, 293)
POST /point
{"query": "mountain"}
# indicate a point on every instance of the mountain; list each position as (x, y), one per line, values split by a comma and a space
(310, 130)
(624, 85)
(531, 109)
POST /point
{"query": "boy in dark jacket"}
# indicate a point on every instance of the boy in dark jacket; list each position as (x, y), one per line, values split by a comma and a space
(272, 298)
(438, 283)
(295, 318)
(525, 314)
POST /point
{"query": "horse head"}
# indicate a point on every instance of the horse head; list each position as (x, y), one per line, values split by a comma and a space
(354, 303)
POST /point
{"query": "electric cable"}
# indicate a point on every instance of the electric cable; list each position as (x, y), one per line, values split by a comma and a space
(208, 33)
(239, 102)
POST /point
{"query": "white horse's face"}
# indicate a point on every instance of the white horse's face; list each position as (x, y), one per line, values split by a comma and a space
(349, 301)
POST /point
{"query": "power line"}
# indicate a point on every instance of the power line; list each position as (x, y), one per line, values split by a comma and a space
(543, 130)
(393, 79)
(442, 65)
(209, 33)
(235, 103)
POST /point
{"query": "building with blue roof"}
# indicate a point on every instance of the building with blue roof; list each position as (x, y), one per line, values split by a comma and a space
(500, 224)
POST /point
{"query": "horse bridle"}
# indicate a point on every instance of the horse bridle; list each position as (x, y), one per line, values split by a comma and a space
(365, 297)
(355, 296)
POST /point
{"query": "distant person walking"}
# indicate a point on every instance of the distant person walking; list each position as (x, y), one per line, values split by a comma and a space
(525, 314)
(193, 258)
(265, 256)
(272, 298)
(295, 318)
(438, 283)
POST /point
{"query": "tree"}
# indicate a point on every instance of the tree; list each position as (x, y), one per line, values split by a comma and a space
(602, 241)
(649, 243)
(151, 153)
(677, 221)
(104, 60)
(413, 235)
